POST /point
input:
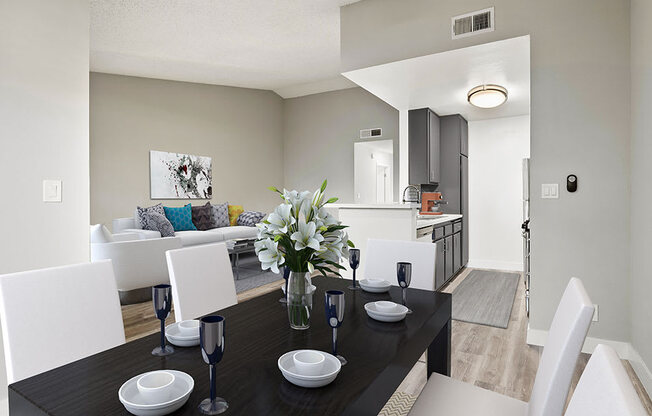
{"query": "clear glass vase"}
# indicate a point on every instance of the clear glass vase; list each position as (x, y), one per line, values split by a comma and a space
(299, 297)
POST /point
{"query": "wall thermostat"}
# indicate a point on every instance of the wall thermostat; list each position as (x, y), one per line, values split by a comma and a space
(571, 183)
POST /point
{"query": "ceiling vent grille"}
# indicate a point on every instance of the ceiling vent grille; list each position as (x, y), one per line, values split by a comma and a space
(473, 23)
(369, 133)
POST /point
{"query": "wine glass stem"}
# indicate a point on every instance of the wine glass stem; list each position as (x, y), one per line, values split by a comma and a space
(163, 334)
(335, 341)
(404, 297)
(213, 376)
(354, 277)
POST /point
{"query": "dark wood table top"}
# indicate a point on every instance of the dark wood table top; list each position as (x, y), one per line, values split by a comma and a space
(379, 355)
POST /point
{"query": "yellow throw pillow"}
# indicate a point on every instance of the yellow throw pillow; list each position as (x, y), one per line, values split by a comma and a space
(234, 213)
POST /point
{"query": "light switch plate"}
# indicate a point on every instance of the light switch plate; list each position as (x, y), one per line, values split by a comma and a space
(51, 190)
(549, 190)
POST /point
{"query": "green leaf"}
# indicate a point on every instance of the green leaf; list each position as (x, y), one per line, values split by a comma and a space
(331, 200)
(278, 237)
(323, 186)
(323, 228)
(350, 243)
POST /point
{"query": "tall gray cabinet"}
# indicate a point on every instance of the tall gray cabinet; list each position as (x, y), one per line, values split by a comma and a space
(424, 147)
(454, 173)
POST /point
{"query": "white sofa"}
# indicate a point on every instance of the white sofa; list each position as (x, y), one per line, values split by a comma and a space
(188, 238)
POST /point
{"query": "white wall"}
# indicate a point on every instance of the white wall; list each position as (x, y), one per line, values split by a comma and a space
(319, 132)
(43, 134)
(574, 128)
(496, 148)
(641, 171)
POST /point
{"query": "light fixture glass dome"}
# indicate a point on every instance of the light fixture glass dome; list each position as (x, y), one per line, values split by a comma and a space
(487, 96)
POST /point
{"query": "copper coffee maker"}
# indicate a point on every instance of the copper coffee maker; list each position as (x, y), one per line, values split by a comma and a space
(431, 203)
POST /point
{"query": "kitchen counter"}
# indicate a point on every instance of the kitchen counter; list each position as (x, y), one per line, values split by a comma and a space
(437, 219)
(376, 206)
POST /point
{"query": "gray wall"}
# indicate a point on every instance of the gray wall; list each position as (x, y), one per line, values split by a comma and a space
(241, 129)
(43, 135)
(641, 226)
(319, 132)
(575, 128)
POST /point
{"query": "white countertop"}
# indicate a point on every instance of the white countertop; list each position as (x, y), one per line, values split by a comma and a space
(439, 219)
(375, 206)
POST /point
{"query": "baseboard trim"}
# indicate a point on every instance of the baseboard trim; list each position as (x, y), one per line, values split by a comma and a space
(495, 265)
(625, 351)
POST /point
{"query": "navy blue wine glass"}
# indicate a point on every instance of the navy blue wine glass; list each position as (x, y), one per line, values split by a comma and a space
(354, 262)
(334, 303)
(286, 276)
(211, 341)
(404, 276)
(162, 299)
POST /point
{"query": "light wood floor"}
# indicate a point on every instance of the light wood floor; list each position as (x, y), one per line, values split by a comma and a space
(492, 358)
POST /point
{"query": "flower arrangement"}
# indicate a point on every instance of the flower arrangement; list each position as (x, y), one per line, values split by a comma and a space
(301, 235)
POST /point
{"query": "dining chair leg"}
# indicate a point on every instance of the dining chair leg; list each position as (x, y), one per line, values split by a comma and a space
(439, 352)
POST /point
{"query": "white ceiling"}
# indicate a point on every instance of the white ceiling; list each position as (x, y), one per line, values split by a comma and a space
(289, 46)
(442, 81)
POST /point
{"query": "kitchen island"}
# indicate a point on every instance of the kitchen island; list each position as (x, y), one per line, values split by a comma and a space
(397, 222)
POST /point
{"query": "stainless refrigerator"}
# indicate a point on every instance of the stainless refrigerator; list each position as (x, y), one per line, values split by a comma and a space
(525, 231)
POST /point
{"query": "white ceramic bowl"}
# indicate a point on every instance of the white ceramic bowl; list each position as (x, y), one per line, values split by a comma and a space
(376, 282)
(156, 387)
(308, 362)
(189, 328)
(395, 316)
(329, 372)
(174, 335)
(375, 289)
(384, 306)
(135, 404)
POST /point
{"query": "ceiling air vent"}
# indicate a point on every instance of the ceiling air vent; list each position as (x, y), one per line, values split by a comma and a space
(369, 133)
(473, 23)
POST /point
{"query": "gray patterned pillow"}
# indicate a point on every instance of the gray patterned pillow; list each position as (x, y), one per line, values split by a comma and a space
(203, 217)
(221, 215)
(250, 218)
(158, 222)
(158, 208)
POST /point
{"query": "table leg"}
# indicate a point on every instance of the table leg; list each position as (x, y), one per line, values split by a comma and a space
(439, 352)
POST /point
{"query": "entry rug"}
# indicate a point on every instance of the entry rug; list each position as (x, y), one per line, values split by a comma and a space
(398, 405)
(485, 297)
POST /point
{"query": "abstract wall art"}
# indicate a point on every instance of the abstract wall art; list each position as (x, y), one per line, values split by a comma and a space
(179, 176)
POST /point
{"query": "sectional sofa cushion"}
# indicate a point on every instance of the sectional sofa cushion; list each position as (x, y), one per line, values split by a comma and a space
(181, 217)
(237, 231)
(158, 208)
(193, 238)
(203, 217)
(221, 214)
(160, 223)
(250, 218)
(100, 234)
(234, 213)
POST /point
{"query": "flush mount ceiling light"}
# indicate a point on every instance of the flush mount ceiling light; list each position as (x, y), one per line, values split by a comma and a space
(487, 96)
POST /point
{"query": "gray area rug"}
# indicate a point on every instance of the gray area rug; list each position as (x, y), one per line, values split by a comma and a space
(249, 275)
(485, 297)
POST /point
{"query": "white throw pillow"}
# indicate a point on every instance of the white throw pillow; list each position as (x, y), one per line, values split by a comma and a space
(100, 234)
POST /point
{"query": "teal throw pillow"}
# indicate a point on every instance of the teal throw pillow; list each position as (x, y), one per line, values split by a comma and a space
(181, 217)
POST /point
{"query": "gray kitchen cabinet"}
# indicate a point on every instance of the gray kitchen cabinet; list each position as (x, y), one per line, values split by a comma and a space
(440, 271)
(423, 147)
(448, 244)
(457, 252)
(454, 178)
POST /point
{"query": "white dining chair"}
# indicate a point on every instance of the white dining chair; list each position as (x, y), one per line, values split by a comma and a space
(51, 317)
(382, 256)
(604, 388)
(445, 395)
(202, 280)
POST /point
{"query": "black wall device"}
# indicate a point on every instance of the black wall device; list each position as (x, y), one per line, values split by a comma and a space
(571, 183)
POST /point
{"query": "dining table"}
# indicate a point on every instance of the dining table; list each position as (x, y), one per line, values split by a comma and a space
(380, 355)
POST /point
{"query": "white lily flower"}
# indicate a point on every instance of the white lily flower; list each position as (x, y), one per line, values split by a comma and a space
(306, 236)
(268, 254)
(280, 219)
(296, 199)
